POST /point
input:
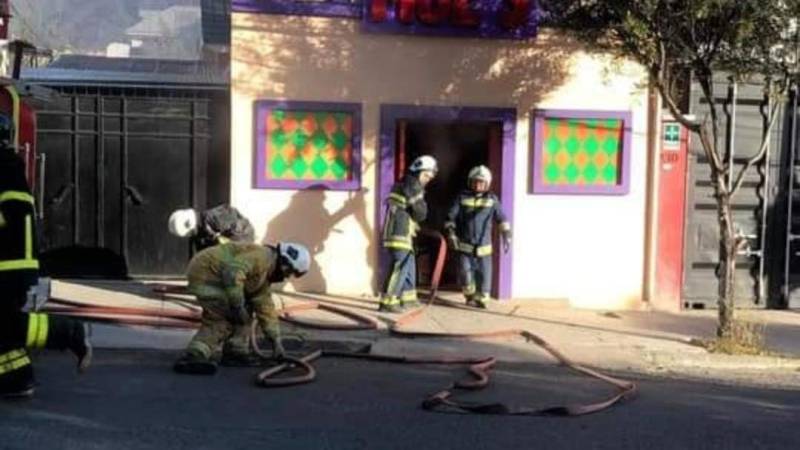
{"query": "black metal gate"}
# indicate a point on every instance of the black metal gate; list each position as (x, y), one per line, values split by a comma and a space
(744, 114)
(116, 162)
(789, 213)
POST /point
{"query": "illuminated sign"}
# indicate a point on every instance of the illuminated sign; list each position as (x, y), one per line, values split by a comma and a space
(470, 18)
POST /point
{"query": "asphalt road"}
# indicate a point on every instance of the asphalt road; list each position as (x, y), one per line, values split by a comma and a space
(131, 400)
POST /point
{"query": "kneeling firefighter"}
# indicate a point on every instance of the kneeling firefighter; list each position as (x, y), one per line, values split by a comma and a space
(232, 282)
(218, 225)
(469, 232)
(21, 331)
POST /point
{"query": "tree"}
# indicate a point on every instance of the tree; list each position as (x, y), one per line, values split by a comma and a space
(709, 40)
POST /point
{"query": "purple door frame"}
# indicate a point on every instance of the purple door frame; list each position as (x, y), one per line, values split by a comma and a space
(390, 114)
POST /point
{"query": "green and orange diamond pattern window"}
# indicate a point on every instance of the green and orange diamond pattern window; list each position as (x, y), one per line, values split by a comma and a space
(575, 155)
(307, 147)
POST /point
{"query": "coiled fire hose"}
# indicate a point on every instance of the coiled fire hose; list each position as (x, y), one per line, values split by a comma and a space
(444, 400)
(293, 371)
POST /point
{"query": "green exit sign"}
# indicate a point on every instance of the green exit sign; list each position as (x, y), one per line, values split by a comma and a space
(672, 135)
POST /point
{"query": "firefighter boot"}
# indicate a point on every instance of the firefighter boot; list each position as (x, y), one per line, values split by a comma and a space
(72, 335)
(410, 300)
(16, 375)
(390, 305)
(193, 363)
(476, 301)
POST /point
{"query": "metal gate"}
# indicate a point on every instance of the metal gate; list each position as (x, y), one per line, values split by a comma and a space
(789, 213)
(116, 162)
(744, 114)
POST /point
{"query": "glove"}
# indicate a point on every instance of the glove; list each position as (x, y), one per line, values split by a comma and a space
(506, 243)
(452, 241)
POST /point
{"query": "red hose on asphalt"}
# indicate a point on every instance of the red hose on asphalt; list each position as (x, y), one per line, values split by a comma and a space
(479, 368)
(286, 373)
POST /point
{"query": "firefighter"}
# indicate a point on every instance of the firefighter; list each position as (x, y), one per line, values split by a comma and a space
(21, 332)
(232, 282)
(405, 209)
(220, 224)
(469, 232)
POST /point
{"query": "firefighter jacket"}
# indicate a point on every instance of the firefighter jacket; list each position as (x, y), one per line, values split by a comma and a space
(18, 243)
(221, 224)
(240, 273)
(405, 209)
(471, 217)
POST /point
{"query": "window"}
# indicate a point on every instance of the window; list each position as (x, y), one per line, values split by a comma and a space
(581, 152)
(303, 145)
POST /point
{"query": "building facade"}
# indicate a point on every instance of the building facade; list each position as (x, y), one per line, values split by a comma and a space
(331, 101)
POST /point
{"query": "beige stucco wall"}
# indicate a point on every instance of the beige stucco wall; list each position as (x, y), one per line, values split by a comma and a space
(589, 249)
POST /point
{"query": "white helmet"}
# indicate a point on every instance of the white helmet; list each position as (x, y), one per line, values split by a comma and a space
(423, 163)
(183, 222)
(296, 255)
(480, 173)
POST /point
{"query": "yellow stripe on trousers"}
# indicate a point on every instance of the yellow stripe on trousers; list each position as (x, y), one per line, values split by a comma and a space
(37, 330)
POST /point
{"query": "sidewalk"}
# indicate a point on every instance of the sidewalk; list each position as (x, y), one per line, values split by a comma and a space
(635, 341)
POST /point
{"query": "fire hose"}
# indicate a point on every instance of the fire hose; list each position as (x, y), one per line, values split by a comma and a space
(478, 368)
(299, 370)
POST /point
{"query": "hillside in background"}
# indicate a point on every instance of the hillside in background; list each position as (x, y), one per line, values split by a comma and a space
(142, 28)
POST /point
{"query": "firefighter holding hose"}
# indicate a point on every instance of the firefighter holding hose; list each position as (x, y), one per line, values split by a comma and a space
(232, 283)
(405, 209)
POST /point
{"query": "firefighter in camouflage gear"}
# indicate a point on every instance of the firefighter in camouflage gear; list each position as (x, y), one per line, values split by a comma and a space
(218, 225)
(232, 283)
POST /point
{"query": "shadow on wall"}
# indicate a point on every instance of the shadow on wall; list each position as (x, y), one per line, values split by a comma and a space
(297, 55)
(306, 220)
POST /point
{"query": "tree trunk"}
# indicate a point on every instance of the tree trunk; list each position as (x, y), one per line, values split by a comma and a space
(727, 267)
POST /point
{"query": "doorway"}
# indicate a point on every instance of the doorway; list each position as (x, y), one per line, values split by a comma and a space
(458, 147)
(460, 139)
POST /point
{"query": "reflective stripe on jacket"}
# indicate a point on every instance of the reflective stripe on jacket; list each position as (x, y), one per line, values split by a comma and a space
(18, 243)
(405, 209)
(471, 217)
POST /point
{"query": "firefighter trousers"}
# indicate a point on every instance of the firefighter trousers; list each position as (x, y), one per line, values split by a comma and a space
(400, 286)
(475, 275)
(21, 332)
(217, 333)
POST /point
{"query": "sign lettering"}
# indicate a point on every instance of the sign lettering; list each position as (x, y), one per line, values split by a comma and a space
(469, 18)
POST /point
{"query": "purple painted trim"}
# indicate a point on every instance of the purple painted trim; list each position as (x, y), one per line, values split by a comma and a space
(389, 116)
(536, 130)
(489, 26)
(329, 8)
(262, 107)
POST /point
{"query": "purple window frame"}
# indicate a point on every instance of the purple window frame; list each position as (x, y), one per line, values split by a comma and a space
(391, 113)
(262, 108)
(536, 130)
(327, 8)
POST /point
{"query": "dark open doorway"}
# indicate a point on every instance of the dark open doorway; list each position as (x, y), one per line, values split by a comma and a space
(449, 132)
(458, 146)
